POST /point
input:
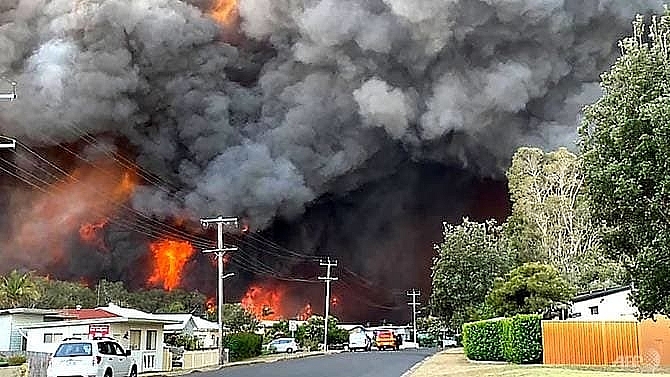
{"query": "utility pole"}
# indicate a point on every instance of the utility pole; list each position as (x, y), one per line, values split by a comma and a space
(6, 142)
(220, 251)
(328, 264)
(8, 96)
(414, 293)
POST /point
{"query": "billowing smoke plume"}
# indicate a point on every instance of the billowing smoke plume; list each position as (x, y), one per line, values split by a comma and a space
(311, 99)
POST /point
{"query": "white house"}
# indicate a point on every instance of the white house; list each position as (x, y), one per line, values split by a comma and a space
(207, 332)
(603, 305)
(140, 332)
(11, 320)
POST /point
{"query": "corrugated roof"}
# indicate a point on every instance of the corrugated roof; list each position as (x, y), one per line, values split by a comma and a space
(87, 313)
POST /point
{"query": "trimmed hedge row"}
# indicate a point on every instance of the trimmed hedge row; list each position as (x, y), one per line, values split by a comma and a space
(243, 345)
(517, 339)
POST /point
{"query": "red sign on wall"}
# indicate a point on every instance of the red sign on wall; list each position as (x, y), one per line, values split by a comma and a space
(98, 330)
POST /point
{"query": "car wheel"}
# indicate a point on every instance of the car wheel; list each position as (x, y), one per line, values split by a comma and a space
(289, 350)
(133, 371)
(108, 373)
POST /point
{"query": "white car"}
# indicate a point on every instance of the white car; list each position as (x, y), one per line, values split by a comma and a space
(280, 345)
(99, 357)
(359, 340)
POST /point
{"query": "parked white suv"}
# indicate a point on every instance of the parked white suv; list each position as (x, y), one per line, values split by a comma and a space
(287, 345)
(99, 357)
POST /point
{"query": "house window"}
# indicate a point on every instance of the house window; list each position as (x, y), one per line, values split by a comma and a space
(53, 337)
(135, 339)
(593, 309)
(151, 339)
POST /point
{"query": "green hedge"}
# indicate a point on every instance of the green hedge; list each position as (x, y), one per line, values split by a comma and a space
(243, 345)
(517, 339)
(524, 339)
(482, 340)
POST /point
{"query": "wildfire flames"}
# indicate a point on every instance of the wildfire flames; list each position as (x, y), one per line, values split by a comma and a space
(264, 303)
(91, 234)
(305, 313)
(271, 302)
(80, 203)
(169, 259)
(225, 11)
(210, 305)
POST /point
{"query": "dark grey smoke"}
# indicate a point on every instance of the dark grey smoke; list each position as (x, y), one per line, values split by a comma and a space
(314, 95)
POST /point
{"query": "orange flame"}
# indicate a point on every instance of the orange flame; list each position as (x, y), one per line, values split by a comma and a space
(91, 233)
(263, 302)
(169, 259)
(44, 222)
(225, 12)
(210, 305)
(305, 313)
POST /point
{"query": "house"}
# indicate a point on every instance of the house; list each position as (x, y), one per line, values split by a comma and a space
(11, 338)
(604, 304)
(138, 331)
(207, 332)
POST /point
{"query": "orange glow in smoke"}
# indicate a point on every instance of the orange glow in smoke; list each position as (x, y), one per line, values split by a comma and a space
(263, 302)
(225, 12)
(305, 313)
(80, 203)
(169, 259)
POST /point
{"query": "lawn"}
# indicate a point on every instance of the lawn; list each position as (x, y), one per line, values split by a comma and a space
(454, 364)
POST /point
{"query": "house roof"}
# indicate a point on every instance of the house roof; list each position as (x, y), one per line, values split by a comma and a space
(136, 315)
(200, 324)
(203, 324)
(87, 313)
(179, 325)
(599, 293)
(28, 311)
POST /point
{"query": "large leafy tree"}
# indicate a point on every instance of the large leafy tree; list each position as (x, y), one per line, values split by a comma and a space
(239, 319)
(56, 294)
(550, 221)
(467, 263)
(18, 289)
(625, 142)
(532, 288)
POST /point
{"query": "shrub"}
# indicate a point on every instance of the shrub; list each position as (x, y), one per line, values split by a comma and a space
(517, 339)
(524, 339)
(482, 340)
(16, 360)
(243, 345)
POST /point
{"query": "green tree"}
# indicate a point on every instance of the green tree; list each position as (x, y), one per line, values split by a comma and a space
(532, 288)
(550, 221)
(18, 289)
(310, 334)
(467, 263)
(56, 294)
(625, 144)
(239, 319)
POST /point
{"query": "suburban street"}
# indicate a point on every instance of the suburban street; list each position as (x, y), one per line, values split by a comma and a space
(346, 364)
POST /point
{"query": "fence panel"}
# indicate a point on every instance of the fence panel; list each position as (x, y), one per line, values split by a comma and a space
(590, 343)
(37, 363)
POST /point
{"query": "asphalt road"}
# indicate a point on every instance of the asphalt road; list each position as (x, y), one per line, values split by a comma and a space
(346, 364)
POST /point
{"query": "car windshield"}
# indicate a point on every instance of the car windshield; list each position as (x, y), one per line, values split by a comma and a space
(73, 349)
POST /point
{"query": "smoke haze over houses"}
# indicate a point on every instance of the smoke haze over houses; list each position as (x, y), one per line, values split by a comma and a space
(343, 127)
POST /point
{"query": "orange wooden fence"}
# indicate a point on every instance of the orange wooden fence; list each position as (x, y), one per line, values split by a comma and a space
(626, 343)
